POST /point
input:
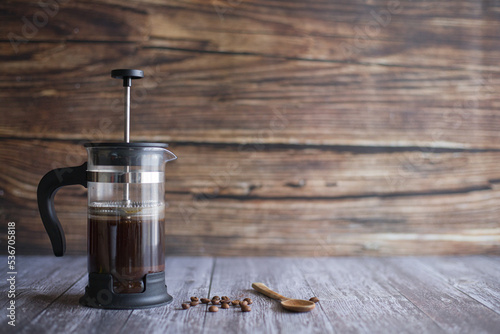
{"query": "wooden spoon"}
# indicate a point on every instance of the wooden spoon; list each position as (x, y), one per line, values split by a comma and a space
(295, 305)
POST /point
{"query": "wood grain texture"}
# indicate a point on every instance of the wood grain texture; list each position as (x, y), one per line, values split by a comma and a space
(233, 277)
(449, 307)
(206, 97)
(303, 128)
(357, 295)
(482, 285)
(358, 299)
(70, 316)
(185, 277)
(40, 282)
(262, 203)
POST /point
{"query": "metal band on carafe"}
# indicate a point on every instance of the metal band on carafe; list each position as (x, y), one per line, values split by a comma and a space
(126, 177)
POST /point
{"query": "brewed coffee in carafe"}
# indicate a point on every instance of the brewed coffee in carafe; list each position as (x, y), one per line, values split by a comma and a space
(126, 242)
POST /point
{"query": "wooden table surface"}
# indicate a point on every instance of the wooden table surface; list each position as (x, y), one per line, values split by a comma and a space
(358, 295)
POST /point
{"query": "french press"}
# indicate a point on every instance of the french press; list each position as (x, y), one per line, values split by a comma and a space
(126, 218)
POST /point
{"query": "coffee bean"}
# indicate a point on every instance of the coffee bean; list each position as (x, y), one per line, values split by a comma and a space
(225, 298)
(205, 300)
(246, 308)
(216, 297)
(314, 299)
(185, 306)
(213, 309)
(194, 303)
(194, 299)
(244, 302)
(215, 302)
(236, 302)
(248, 300)
(225, 305)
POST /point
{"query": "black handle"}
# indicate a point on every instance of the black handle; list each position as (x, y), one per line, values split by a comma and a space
(47, 188)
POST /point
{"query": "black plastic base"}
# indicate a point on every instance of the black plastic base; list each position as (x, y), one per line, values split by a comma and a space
(99, 293)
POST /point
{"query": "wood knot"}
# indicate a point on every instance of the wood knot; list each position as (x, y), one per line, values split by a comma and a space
(299, 184)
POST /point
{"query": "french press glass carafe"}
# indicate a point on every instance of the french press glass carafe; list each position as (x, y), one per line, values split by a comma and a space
(126, 219)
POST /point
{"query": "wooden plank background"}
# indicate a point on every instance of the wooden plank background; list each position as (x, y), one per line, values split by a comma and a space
(305, 128)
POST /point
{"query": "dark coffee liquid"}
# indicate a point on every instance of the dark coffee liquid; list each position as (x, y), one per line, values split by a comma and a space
(126, 246)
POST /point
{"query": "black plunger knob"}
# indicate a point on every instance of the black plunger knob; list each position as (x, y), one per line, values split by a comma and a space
(127, 75)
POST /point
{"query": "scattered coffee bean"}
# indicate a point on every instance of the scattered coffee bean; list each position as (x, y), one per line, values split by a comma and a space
(246, 308)
(314, 299)
(224, 303)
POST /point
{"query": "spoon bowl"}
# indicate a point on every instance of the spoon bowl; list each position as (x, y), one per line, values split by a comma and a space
(295, 305)
(298, 305)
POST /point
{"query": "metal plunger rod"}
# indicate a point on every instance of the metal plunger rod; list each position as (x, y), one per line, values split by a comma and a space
(127, 76)
(126, 132)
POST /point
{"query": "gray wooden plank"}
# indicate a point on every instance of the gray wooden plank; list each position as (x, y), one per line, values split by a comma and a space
(233, 277)
(183, 276)
(486, 264)
(40, 280)
(186, 277)
(33, 269)
(65, 315)
(357, 299)
(472, 275)
(362, 295)
(450, 308)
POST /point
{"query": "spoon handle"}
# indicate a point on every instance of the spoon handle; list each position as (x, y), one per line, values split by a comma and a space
(262, 288)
